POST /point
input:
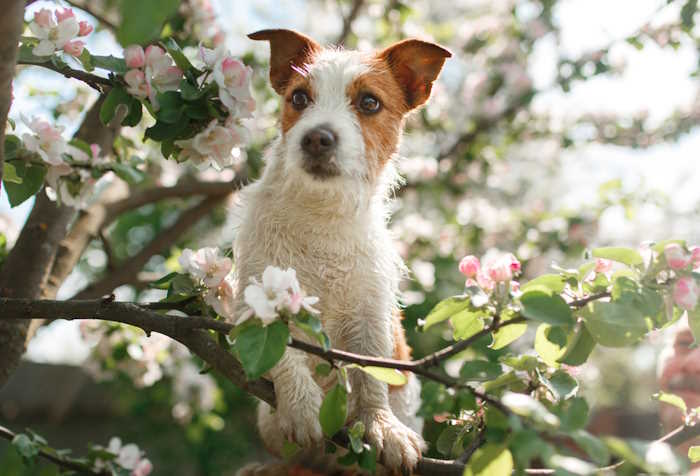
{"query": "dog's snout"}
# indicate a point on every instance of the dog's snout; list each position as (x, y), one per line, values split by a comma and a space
(319, 142)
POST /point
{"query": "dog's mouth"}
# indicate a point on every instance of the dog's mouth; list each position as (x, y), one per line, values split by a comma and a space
(321, 169)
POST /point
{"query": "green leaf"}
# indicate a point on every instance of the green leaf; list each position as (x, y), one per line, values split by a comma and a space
(355, 433)
(448, 443)
(694, 323)
(593, 447)
(179, 57)
(671, 399)
(13, 146)
(563, 385)
(490, 460)
(127, 173)
(446, 309)
(25, 446)
(334, 411)
(651, 457)
(164, 282)
(118, 96)
(171, 107)
(528, 407)
(480, 370)
(627, 256)
(162, 131)
(390, 376)
(554, 283)
(25, 55)
(580, 347)
(86, 60)
(550, 343)
(549, 308)
(145, 19)
(260, 348)
(32, 178)
(614, 325)
(289, 449)
(323, 369)
(466, 323)
(574, 415)
(110, 63)
(367, 460)
(10, 174)
(507, 334)
(694, 454)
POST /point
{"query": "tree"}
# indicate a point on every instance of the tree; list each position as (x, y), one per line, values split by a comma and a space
(104, 191)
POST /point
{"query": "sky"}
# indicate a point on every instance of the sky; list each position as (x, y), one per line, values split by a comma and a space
(655, 80)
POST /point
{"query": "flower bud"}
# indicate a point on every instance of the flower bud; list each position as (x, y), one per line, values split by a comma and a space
(64, 14)
(676, 257)
(469, 266)
(134, 56)
(685, 293)
(85, 28)
(74, 48)
(602, 265)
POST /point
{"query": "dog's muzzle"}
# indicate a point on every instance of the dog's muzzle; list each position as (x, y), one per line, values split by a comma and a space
(319, 146)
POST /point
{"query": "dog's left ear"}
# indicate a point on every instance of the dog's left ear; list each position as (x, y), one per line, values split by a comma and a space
(289, 50)
(415, 64)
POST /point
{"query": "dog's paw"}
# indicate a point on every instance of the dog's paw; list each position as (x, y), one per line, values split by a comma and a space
(298, 417)
(398, 446)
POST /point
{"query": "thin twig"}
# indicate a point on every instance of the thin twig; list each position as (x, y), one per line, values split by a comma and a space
(57, 460)
(348, 21)
(92, 80)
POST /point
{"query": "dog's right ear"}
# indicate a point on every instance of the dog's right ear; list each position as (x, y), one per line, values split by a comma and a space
(289, 51)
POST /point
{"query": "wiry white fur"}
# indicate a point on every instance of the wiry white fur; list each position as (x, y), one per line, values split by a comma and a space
(333, 232)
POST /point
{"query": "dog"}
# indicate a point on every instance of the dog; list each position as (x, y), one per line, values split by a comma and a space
(320, 207)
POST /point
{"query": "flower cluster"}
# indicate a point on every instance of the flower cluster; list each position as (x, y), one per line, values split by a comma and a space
(685, 290)
(58, 31)
(129, 457)
(46, 141)
(200, 21)
(216, 143)
(499, 269)
(150, 72)
(278, 292)
(208, 266)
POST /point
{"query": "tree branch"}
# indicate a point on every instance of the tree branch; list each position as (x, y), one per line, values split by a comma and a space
(348, 21)
(57, 460)
(92, 80)
(128, 271)
(187, 189)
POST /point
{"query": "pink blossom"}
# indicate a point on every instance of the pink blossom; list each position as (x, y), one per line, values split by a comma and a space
(46, 141)
(603, 265)
(64, 14)
(136, 82)
(74, 48)
(503, 268)
(143, 468)
(95, 149)
(685, 293)
(469, 283)
(85, 28)
(206, 264)
(43, 18)
(676, 257)
(221, 299)
(695, 256)
(485, 282)
(515, 265)
(469, 266)
(134, 56)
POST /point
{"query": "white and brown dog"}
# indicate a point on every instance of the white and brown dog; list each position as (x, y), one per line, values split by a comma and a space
(320, 208)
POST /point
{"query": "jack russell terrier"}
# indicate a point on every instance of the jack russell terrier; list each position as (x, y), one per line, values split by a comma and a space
(321, 208)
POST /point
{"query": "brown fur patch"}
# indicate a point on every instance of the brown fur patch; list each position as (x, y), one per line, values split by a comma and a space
(402, 351)
(382, 130)
(290, 115)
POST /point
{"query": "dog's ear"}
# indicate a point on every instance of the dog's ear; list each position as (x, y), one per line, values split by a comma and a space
(289, 50)
(415, 64)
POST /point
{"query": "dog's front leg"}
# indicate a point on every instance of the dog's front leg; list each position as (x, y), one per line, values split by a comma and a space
(298, 399)
(398, 445)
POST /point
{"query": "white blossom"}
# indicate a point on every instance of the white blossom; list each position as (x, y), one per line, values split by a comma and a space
(206, 264)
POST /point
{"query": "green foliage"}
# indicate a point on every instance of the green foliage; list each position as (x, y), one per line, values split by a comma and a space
(31, 178)
(260, 348)
(544, 307)
(446, 309)
(334, 410)
(145, 20)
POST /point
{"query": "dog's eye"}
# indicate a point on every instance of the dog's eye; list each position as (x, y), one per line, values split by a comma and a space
(369, 104)
(300, 99)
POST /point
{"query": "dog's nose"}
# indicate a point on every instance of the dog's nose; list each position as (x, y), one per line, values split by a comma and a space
(319, 142)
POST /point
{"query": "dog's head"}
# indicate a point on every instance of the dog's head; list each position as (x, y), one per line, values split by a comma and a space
(343, 111)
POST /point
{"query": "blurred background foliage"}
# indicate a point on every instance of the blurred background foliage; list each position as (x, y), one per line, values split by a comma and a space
(524, 147)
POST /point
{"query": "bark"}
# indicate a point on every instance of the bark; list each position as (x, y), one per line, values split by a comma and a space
(25, 272)
(10, 29)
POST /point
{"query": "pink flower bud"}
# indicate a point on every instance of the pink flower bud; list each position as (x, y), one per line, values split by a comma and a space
(514, 264)
(695, 256)
(74, 48)
(676, 258)
(469, 266)
(143, 468)
(485, 281)
(514, 286)
(153, 54)
(503, 268)
(134, 56)
(85, 28)
(602, 265)
(64, 14)
(43, 18)
(685, 293)
(95, 149)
